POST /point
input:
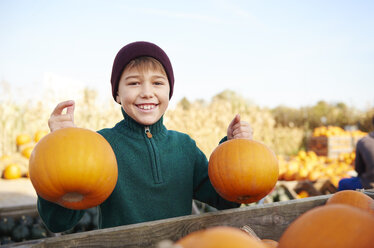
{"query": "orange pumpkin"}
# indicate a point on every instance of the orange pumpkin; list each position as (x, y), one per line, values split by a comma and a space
(39, 135)
(73, 167)
(27, 151)
(22, 139)
(243, 170)
(219, 237)
(12, 171)
(327, 226)
(353, 198)
(5, 158)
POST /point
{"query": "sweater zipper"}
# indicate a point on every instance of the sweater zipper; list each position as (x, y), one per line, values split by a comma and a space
(148, 132)
(154, 159)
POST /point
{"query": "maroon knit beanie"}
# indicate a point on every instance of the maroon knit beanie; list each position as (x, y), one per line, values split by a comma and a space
(135, 50)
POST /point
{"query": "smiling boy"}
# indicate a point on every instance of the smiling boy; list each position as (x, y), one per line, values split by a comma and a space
(160, 171)
(144, 92)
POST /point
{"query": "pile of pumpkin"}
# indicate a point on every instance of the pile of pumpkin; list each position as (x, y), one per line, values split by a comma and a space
(345, 221)
(28, 227)
(13, 166)
(329, 131)
(309, 166)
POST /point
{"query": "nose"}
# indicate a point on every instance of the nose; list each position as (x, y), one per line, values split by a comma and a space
(146, 90)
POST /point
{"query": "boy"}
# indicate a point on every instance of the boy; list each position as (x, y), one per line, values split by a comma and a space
(159, 171)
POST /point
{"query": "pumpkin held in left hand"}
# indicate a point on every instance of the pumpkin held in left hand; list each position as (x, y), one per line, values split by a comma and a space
(243, 170)
(73, 167)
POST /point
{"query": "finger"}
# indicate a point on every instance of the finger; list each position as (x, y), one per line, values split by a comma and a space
(242, 128)
(243, 135)
(70, 109)
(242, 124)
(61, 106)
(238, 131)
(62, 125)
(234, 121)
(61, 118)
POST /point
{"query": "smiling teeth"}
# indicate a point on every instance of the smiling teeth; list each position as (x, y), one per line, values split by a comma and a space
(146, 107)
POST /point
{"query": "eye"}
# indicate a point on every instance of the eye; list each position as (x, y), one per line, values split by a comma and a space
(133, 83)
(160, 82)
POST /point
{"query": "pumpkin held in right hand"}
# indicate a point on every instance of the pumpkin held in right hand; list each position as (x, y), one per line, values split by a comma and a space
(243, 170)
(73, 167)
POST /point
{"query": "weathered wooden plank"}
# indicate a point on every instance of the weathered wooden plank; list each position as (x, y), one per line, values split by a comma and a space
(267, 220)
(15, 211)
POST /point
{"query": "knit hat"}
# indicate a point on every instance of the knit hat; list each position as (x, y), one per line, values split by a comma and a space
(135, 50)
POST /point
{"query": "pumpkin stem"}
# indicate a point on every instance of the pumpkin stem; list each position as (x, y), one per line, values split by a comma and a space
(72, 197)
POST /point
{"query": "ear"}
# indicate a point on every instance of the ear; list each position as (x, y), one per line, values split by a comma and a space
(118, 99)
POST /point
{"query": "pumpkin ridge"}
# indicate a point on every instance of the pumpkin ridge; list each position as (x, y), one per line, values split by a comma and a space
(240, 183)
(221, 181)
(228, 171)
(47, 178)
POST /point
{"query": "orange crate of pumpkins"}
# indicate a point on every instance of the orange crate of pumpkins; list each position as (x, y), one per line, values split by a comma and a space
(310, 166)
(331, 141)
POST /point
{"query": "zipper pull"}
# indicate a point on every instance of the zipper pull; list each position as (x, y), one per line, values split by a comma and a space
(148, 132)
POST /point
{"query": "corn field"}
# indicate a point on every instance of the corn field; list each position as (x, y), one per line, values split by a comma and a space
(206, 122)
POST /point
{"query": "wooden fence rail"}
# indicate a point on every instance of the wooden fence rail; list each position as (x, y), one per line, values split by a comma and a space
(267, 220)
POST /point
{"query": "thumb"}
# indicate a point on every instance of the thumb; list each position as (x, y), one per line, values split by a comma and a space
(230, 129)
(70, 111)
(235, 120)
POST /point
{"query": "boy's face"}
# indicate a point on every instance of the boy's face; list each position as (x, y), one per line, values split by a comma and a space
(143, 95)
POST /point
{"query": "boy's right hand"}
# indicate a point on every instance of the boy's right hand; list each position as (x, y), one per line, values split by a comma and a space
(59, 120)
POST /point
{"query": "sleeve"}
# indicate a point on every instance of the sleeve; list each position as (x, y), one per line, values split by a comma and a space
(203, 189)
(223, 140)
(56, 217)
(359, 163)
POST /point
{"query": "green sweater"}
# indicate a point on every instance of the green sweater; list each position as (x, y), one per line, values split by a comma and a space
(157, 178)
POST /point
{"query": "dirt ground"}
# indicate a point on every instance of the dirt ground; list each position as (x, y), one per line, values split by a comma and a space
(16, 192)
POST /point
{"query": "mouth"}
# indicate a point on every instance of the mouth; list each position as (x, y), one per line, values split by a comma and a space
(146, 106)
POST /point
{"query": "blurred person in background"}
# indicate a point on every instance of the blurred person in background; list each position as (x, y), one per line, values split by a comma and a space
(364, 165)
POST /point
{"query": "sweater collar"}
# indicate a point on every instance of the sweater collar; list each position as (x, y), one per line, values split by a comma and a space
(131, 124)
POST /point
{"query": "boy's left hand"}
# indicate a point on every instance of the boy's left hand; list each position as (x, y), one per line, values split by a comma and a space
(239, 129)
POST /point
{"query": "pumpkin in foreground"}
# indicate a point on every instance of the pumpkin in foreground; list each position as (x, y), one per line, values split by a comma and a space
(353, 198)
(243, 170)
(335, 225)
(73, 167)
(219, 237)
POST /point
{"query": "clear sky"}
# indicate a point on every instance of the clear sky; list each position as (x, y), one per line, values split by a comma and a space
(272, 52)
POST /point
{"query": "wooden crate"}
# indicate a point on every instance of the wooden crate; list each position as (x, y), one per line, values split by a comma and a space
(267, 220)
(19, 210)
(330, 146)
(319, 187)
